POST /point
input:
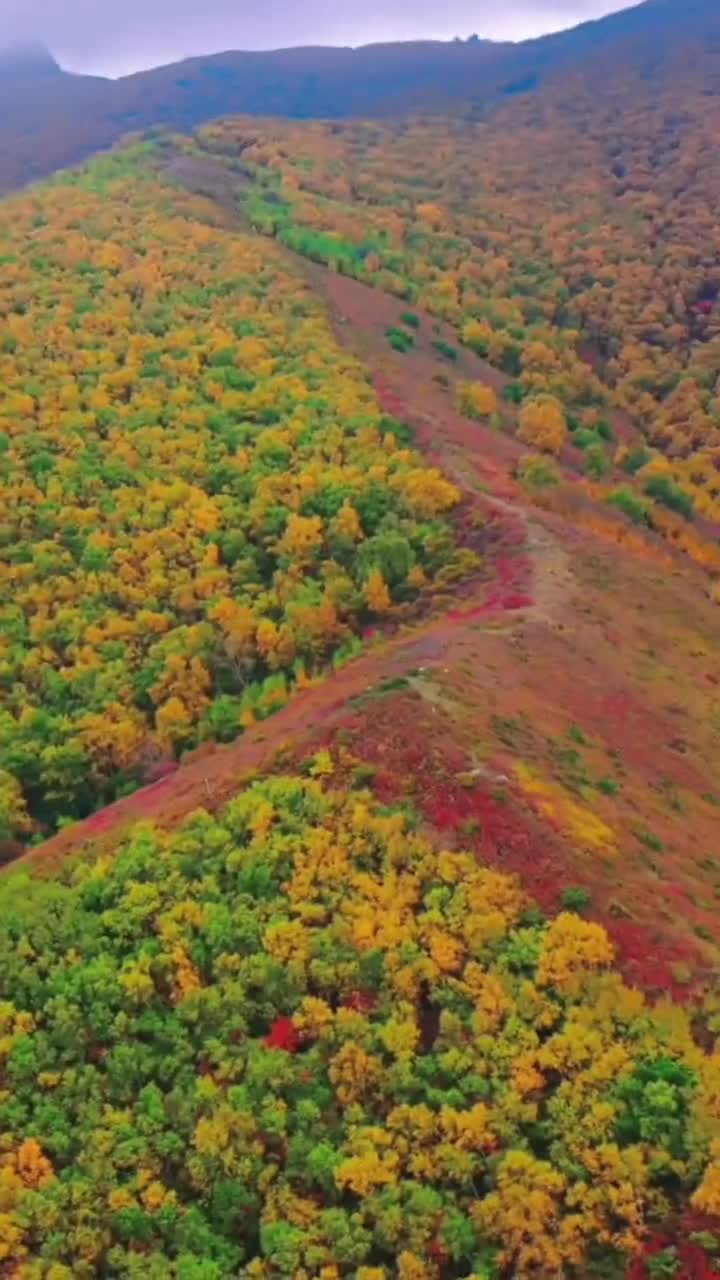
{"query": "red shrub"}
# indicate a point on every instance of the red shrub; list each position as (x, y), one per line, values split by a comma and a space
(283, 1035)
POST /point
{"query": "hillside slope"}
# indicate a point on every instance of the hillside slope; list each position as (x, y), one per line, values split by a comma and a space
(51, 121)
(360, 688)
(454, 951)
(569, 235)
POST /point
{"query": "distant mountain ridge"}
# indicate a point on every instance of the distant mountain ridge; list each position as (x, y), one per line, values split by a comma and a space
(27, 58)
(50, 118)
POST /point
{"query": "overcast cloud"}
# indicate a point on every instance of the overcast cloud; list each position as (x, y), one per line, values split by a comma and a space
(111, 38)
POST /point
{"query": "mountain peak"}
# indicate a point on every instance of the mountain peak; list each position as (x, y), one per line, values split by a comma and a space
(27, 57)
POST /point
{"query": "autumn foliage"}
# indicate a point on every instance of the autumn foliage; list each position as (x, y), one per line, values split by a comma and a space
(541, 424)
(201, 499)
(579, 258)
(300, 1036)
(297, 1039)
(476, 399)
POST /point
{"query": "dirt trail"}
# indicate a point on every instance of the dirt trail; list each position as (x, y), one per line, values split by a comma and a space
(209, 780)
(478, 459)
(529, 580)
(213, 777)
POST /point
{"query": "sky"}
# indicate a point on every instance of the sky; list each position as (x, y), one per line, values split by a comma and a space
(106, 38)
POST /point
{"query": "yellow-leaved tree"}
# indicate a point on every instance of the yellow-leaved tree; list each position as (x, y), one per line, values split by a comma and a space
(541, 423)
(376, 592)
(476, 399)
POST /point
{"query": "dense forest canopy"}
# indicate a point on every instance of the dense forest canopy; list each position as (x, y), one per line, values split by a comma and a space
(201, 500)
(213, 1063)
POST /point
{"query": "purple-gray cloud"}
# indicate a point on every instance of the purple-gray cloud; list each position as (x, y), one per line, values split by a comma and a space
(109, 38)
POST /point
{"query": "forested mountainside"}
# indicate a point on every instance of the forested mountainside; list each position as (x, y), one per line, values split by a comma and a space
(415, 976)
(49, 119)
(360, 675)
(188, 465)
(570, 237)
